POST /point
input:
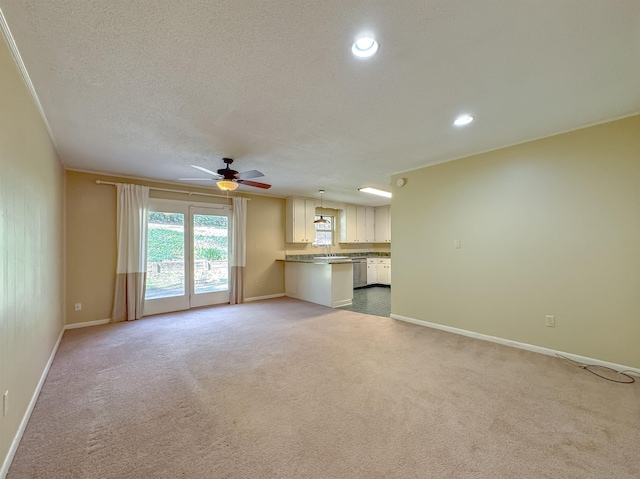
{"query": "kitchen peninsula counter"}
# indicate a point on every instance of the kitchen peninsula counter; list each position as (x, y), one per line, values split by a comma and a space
(328, 282)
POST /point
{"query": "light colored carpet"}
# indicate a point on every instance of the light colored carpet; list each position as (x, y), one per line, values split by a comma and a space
(288, 389)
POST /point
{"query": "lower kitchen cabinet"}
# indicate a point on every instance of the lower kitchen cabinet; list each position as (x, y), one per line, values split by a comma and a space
(379, 271)
(328, 284)
(372, 271)
(384, 271)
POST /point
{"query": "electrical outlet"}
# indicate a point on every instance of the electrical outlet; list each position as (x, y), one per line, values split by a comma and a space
(77, 307)
(5, 403)
(457, 244)
(551, 321)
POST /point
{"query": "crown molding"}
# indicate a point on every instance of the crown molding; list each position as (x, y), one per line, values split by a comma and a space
(15, 53)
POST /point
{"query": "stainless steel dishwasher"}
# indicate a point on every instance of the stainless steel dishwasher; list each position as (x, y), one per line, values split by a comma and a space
(359, 272)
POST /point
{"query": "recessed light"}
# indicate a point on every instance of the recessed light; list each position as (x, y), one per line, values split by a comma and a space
(375, 191)
(463, 120)
(364, 47)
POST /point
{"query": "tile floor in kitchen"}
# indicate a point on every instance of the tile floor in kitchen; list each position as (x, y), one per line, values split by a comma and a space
(374, 300)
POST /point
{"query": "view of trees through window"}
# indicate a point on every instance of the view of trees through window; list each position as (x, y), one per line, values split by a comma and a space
(211, 253)
(166, 254)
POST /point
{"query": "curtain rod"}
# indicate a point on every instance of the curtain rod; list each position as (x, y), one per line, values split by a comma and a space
(100, 182)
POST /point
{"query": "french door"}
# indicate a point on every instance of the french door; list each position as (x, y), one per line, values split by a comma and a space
(188, 252)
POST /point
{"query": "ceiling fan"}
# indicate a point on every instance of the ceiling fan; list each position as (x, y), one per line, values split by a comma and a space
(228, 179)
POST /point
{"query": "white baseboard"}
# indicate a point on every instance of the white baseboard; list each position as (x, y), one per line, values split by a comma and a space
(25, 419)
(260, 298)
(342, 303)
(516, 344)
(86, 324)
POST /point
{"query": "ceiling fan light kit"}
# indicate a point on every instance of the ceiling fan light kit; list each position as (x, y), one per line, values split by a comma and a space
(227, 185)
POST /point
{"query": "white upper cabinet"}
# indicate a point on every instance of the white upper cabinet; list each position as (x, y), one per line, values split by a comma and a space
(349, 224)
(383, 224)
(357, 224)
(301, 213)
(369, 224)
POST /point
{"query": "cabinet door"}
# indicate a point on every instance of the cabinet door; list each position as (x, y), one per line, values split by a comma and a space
(369, 225)
(350, 224)
(293, 234)
(372, 273)
(299, 221)
(361, 228)
(310, 216)
(300, 215)
(389, 231)
(382, 225)
(384, 271)
(357, 224)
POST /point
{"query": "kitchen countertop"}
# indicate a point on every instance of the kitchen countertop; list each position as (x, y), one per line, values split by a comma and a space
(312, 258)
(317, 261)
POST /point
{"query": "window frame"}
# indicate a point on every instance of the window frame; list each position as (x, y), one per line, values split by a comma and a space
(331, 230)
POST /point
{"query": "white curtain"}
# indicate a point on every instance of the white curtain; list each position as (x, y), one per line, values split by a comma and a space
(239, 248)
(131, 270)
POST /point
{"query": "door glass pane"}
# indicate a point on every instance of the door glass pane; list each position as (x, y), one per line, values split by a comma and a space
(211, 253)
(165, 255)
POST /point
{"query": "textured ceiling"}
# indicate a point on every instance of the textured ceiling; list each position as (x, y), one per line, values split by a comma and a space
(148, 88)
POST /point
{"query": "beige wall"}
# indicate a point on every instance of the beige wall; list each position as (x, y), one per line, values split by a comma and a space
(550, 227)
(31, 237)
(265, 244)
(91, 242)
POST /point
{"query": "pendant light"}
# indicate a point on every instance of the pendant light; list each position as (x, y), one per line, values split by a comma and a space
(322, 220)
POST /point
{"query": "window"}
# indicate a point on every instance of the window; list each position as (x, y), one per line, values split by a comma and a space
(324, 232)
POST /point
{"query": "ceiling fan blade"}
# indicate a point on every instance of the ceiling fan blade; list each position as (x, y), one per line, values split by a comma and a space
(205, 170)
(245, 175)
(254, 183)
(195, 179)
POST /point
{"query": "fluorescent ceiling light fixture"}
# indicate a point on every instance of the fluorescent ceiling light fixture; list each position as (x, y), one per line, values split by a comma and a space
(227, 185)
(364, 47)
(463, 120)
(375, 191)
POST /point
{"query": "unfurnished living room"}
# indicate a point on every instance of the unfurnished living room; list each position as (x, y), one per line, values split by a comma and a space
(320, 239)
